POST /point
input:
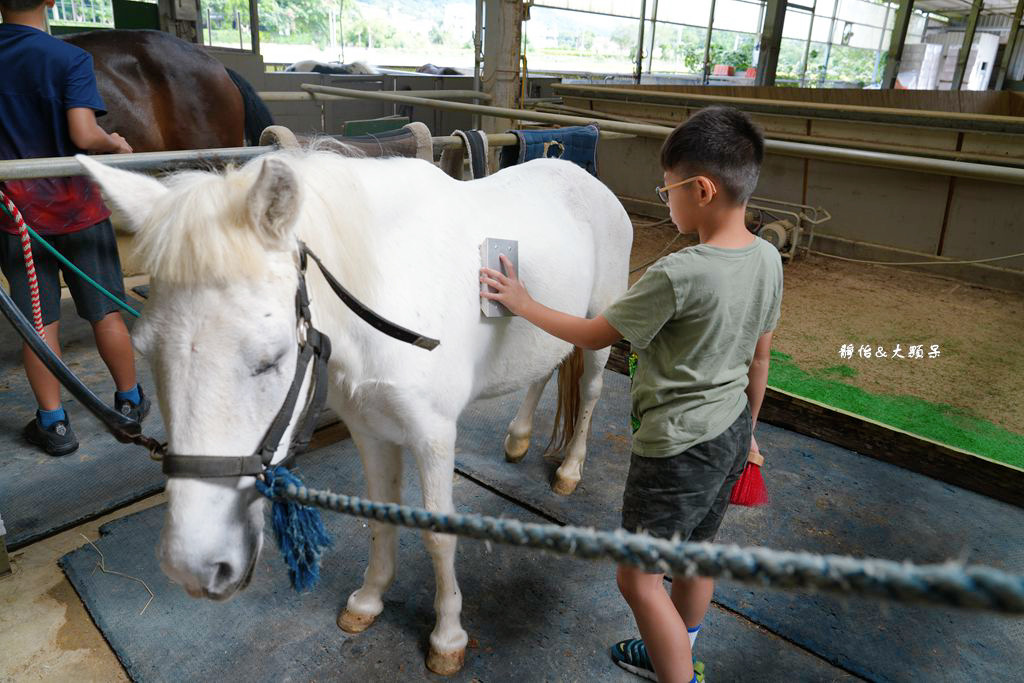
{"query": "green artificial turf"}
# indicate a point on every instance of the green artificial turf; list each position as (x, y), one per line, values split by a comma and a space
(937, 421)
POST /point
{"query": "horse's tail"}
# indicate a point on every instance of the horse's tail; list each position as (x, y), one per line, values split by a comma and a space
(257, 116)
(570, 372)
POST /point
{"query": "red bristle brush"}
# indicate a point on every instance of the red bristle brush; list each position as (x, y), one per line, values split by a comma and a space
(750, 490)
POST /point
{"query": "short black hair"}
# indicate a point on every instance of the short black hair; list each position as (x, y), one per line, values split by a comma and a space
(19, 5)
(721, 142)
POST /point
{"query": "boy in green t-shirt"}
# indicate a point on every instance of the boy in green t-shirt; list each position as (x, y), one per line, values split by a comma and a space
(700, 322)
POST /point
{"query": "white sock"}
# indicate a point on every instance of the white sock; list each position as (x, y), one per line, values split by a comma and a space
(692, 632)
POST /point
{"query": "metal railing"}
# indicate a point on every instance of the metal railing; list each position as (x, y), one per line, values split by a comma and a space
(961, 169)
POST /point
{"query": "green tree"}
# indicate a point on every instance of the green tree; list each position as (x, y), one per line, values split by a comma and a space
(437, 36)
(226, 10)
(587, 40)
(733, 49)
(684, 49)
(625, 37)
(853, 65)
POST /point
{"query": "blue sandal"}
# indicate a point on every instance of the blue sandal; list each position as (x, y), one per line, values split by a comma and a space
(632, 656)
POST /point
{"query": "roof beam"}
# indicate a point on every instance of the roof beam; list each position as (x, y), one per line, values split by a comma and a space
(896, 43)
(1011, 45)
(965, 49)
(771, 39)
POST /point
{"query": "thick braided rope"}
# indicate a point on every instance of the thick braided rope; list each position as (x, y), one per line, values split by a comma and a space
(30, 264)
(952, 584)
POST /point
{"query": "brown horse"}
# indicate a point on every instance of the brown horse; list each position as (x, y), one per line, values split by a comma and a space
(165, 94)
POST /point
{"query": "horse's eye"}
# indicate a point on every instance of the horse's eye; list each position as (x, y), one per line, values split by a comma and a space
(267, 365)
(263, 368)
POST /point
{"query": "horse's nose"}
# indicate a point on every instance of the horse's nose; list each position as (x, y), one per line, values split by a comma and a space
(223, 575)
(221, 580)
(216, 579)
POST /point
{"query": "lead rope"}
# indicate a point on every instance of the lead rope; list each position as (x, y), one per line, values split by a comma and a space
(30, 264)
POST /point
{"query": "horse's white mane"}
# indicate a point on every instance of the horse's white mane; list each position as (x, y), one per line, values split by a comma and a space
(202, 231)
(325, 143)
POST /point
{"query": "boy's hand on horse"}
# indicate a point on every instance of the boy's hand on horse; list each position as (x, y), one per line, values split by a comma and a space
(586, 333)
(511, 291)
(122, 145)
(88, 136)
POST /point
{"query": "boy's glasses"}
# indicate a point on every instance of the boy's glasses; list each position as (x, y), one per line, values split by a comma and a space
(663, 191)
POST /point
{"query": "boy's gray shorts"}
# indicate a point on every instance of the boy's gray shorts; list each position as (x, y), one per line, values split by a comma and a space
(93, 251)
(686, 494)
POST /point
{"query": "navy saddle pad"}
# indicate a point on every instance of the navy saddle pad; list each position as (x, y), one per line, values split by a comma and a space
(577, 144)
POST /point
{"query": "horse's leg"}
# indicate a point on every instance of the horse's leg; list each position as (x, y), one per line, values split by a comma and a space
(517, 439)
(382, 463)
(436, 459)
(568, 474)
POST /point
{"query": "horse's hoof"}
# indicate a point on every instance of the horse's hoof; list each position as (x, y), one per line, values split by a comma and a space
(351, 622)
(563, 486)
(516, 447)
(446, 663)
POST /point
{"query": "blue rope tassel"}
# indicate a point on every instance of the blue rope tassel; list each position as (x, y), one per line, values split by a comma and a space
(298, 528)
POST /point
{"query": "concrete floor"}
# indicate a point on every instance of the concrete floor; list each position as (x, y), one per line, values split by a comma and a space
(47, 635)
(45, 632)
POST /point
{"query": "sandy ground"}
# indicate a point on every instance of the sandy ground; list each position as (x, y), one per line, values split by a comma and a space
(828, 303)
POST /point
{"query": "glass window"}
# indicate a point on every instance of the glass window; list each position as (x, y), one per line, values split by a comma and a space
(791, 57)
(846, 37)
(797, 24)
(732, 48)
(350, 31)
(616, 7)
(864, 12)
(814, 75)
(915, 32)
(739, 15)
(867, 37)
(81, 13)
(557, 40)
(692, 12)
(678, 49)
(621, 8)
(820, 30)
(225, 23)
(852, 66)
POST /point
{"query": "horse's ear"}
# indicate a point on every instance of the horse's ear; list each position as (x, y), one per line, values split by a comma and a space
(273, 202)
(133, 194)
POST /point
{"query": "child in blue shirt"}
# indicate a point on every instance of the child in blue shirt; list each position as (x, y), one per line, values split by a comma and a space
(48, 109)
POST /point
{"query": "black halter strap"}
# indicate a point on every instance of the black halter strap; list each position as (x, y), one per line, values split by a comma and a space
(386, 326)
(318, 348)
(313, 345)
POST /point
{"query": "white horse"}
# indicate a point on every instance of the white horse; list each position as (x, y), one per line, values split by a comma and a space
(313, 66)
(220, 333)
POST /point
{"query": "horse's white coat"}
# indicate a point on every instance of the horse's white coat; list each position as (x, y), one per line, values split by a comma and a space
(219, 330)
